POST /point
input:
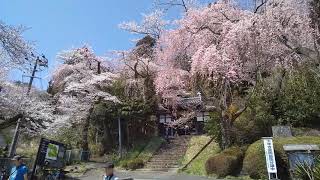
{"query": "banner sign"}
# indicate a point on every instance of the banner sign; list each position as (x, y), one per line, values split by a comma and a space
(50, 154)
(270, 157)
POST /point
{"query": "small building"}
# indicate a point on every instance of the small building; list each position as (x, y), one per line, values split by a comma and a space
(188, 116)
(164, 118)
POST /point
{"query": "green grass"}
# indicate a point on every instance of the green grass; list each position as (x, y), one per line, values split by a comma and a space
(197, 166)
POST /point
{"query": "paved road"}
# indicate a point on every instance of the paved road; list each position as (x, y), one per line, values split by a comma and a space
(143, 175)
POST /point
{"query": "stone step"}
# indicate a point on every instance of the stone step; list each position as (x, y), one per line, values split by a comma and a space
(177, 155)
(151, 166)
(163, 161)
(169, 154)
(174, 170)
(164, 156)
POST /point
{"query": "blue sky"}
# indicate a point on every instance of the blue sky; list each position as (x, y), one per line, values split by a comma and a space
(56, 25)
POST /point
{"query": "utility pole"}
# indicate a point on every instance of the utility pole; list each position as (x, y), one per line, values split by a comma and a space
(99, 67)
(42, 62)
(120, 136)
(32, 75)
(13, 146)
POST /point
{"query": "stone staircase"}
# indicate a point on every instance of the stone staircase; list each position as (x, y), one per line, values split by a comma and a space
(168, 156)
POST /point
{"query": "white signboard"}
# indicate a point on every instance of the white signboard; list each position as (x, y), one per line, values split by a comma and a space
(52, 152)
(269, 153)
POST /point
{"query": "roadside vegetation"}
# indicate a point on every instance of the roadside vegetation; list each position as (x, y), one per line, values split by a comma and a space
(197, 166)
(138, 156)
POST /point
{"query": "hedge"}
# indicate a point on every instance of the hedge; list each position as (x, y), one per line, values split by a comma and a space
(228, 162)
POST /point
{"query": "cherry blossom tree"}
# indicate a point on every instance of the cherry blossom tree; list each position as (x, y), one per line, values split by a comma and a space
(14, 50)
(315, 21)
(77, 85)
(138, 65)
(227, 48)
(34, 109)
(185, 4)
(152, 24)
(137, 71)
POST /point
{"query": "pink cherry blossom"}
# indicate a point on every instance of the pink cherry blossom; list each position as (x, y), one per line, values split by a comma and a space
(222, 41)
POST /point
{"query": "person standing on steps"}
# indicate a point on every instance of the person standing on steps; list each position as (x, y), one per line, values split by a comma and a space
(109, 172)
(20, 170)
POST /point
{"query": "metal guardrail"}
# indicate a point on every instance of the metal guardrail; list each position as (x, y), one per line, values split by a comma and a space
(76, 155)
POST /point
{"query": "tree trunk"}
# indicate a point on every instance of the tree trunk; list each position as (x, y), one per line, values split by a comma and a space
(85, 132)
(107, 141)
(226, 132)
(275, 103)
(225, 103)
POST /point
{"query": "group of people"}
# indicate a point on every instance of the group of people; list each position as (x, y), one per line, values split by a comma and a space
(20, 171)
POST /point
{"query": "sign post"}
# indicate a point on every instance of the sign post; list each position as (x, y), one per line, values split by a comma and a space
(50, 153)
(270, 158)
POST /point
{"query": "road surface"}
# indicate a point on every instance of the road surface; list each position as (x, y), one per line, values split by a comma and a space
(142, 175)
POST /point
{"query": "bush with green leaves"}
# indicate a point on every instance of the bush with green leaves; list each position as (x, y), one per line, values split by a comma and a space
(299, 99)
(228, 162)
(133, 164)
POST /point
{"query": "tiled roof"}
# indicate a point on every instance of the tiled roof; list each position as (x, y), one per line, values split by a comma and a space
(190, 103)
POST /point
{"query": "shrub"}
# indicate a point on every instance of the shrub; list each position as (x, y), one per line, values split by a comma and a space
(142, 152)
(134, 164)
(254, 162)
(96, 149)
(228, 162)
